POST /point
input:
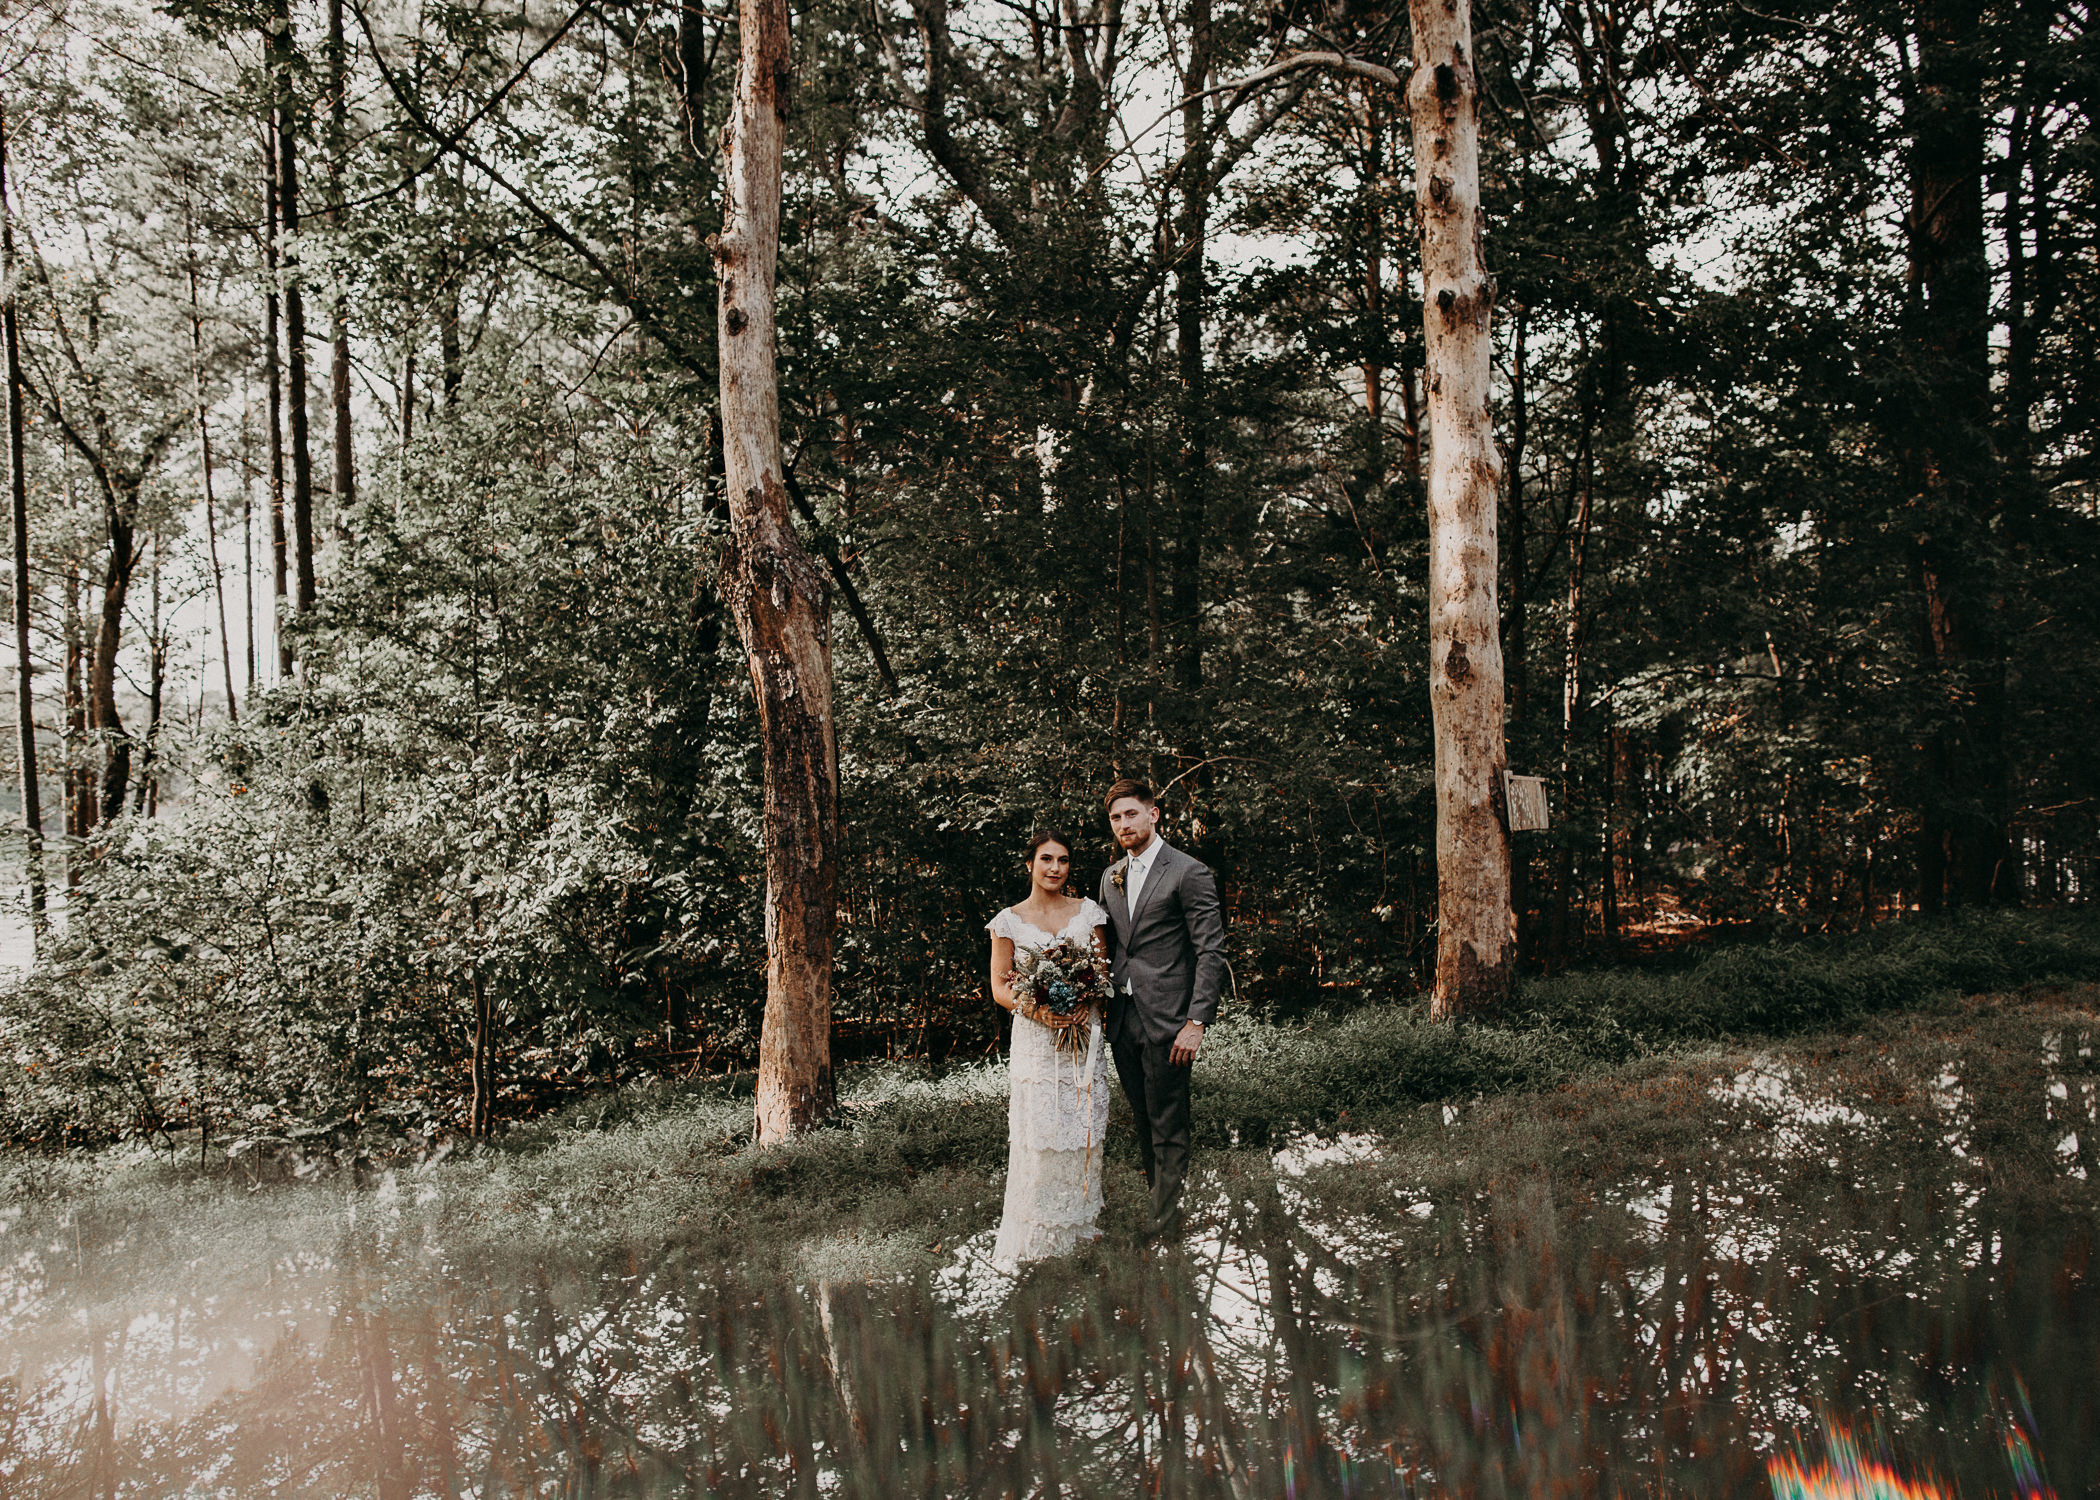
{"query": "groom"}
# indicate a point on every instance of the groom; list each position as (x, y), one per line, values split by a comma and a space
(1166, 950)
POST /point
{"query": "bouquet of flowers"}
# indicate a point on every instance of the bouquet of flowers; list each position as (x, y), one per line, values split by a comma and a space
(1062, 987)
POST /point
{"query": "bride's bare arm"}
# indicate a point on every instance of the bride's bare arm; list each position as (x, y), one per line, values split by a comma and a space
(1002, 971)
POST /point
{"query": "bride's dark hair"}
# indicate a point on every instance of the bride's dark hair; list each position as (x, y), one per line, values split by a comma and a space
(1044, 836)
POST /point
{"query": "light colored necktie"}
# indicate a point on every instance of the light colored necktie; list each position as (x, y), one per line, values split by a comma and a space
(1136, 884)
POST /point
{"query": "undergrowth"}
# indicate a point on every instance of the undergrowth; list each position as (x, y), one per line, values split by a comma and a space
(916, 1152)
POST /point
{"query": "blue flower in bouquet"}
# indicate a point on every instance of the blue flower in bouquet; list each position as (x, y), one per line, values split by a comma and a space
(1065, 978)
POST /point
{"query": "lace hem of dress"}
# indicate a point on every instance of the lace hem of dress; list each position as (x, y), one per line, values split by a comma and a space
(1052, 1200)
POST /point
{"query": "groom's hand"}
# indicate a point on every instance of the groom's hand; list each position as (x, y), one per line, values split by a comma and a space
(1187, 1045)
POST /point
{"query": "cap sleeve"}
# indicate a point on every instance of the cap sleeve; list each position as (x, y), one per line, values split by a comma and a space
(1002, 925)
(1092, 913)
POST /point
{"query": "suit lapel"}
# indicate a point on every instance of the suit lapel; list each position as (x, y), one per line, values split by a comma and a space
(1161, 863)
(1122, 893)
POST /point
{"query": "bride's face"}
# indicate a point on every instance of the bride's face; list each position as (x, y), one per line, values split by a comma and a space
(1050, 868)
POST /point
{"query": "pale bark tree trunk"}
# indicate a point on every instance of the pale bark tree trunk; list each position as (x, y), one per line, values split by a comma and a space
(1476, 951)
(777, 596)
(18, 485)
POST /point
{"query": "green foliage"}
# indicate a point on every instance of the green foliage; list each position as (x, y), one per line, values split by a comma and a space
(1776, 988)
(516, 756)
(457, 799)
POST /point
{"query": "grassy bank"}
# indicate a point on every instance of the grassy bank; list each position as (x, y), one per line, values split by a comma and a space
(918, 1155)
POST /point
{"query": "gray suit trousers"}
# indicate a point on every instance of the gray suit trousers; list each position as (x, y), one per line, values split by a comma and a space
(1158, 1090)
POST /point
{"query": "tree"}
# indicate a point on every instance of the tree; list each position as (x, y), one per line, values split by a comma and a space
(1476, 949)
(282, 50)
(779, 601)
(18, 493)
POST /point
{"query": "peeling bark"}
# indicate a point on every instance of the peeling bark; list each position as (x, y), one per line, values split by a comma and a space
(1476, 952)
(779, 600)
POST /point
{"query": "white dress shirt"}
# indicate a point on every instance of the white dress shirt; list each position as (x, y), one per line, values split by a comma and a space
(1140, 867)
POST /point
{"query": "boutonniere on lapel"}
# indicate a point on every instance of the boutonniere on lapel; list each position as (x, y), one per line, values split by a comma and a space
(1120, 874)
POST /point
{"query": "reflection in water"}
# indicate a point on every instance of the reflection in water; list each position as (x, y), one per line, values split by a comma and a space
(1350, 1317)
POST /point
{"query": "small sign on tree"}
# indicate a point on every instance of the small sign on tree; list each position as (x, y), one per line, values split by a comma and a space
(1526, 797)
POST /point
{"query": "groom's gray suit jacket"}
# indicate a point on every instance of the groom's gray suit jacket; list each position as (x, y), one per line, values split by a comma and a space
(1170, 950)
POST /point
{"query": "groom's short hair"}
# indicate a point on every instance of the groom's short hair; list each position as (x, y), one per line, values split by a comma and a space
(1128, 787)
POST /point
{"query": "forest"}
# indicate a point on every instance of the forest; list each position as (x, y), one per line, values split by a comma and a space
(394, 741)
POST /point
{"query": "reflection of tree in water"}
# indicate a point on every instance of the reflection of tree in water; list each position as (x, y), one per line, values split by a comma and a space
(1349, 1328)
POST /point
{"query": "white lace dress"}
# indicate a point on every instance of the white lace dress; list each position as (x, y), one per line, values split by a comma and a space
(1056, 1120)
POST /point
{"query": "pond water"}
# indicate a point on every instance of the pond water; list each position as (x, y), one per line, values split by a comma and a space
(1765, 1274)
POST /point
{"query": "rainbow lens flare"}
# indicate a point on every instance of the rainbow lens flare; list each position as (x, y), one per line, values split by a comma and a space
(1849, 1474)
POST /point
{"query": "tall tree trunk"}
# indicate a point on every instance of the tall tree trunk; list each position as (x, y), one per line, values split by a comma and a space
(18, 490)
(345, 477)
(80, 792)
(452, 359)
(1376, 338)
(1476, 952)
(1516, 619)
(1191, 299)
(103, 718)
(1411, 428)
(283, 60)
(408, 397)
(280, 556)
(1516, 610)
(211, 509)
(1966, 852)
(1620, 809)
(481, 1104)
(694, 65)
(777, 596)
(1571, 690)
(147, 799)
(410, 331)
(247, 538)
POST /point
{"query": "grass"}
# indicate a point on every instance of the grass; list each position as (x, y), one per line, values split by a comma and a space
(916, 1155)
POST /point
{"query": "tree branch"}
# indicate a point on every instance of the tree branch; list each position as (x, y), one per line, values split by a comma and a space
(641, 308)
(837, 565)
(963, 169)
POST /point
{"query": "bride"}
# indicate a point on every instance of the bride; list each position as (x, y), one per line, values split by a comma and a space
(1057, 1116)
